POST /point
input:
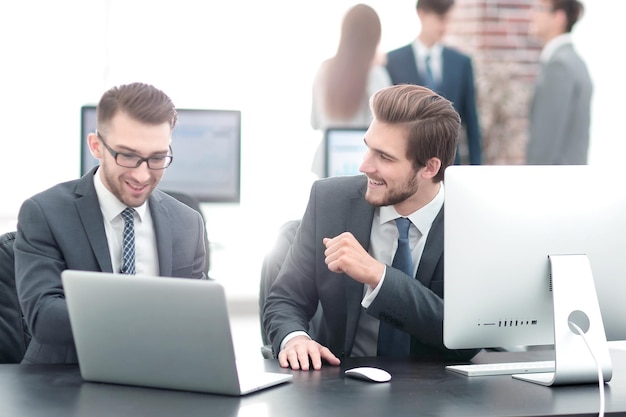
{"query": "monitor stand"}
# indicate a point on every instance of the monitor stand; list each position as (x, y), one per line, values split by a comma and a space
(575, 301)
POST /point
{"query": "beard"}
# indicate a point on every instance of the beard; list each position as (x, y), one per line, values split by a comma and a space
(396, 195)
(115, 184)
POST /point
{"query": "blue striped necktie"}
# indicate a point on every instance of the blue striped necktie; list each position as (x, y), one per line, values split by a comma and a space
(391, 341)
(128, 242)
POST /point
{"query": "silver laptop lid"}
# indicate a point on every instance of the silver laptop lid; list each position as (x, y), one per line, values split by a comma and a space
(151, 331)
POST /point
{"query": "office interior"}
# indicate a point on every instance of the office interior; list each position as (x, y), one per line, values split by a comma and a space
(256, 57)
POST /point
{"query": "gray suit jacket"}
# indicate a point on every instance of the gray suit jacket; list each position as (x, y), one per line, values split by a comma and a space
(560, 111)
(62, 228)
(338, 205)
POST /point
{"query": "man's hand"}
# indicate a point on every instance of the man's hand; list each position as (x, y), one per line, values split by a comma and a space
(300, 352)
(345, 254)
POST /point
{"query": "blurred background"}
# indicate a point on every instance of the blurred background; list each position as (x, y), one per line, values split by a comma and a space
(259, 58)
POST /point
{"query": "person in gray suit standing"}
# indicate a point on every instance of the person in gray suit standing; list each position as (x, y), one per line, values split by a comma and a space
(560, 109)
(342, 253)
(83, 224)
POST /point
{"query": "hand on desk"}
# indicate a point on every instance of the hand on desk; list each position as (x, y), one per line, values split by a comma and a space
(300, 352)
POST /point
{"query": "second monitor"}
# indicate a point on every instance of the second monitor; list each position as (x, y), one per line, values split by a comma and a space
(344, 151)
(206, 145)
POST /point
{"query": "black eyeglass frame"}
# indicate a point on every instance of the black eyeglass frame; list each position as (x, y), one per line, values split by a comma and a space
(166, 160)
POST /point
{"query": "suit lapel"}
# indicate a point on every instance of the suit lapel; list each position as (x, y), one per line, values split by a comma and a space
(449, 71)
(359, 223)
(90, 215)
(163, 233)
(432, 251)
(406, 67)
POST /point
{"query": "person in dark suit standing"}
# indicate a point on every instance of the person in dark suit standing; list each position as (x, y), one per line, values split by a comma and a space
(113, 219)
(342, 253)
(560, 110)
(428, 62)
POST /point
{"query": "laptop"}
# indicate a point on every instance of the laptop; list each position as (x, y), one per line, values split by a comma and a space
(159, 332)
(344, 151)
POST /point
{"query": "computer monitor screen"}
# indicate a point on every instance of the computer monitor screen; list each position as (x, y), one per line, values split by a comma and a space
(501, 223)
(207, 153)
(344, 151)
(505, 226)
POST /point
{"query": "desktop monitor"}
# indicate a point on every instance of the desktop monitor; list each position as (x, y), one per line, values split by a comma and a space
(344, 151)
(531, 249)
(207, 153)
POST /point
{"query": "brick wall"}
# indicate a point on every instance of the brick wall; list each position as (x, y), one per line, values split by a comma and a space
(496, 34)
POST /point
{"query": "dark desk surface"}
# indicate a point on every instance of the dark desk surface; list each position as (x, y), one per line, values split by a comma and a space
(416, 389)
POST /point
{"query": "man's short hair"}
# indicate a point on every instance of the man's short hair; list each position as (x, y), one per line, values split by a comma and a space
(432, 124)
(142, 102)
(440, 7)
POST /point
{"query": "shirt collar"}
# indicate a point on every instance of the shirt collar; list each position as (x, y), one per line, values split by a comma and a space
(422, 218)
(554, 44)
(421, 50)
(109, 204)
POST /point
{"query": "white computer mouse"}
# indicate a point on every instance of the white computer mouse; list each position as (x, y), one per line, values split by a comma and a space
(368, 373)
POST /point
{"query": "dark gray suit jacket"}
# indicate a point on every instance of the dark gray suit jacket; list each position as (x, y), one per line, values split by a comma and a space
(62, 228)
(560, 111)
(457, 85)
(338, 205)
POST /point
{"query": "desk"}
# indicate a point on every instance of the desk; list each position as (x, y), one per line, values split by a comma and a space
(416, 389)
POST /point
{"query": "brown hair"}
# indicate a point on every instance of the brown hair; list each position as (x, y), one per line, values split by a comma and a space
(431, 122)
(348, 70)
(142, 102)
(439, 7)
(573, 10)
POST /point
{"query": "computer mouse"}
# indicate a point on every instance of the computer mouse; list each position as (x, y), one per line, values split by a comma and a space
(368, 373)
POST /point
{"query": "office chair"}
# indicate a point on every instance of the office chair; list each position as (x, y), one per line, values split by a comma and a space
(272, 263)
(194, 204)
(14, 336)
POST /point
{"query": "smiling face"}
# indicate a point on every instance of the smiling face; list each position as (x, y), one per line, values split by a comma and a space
(132, 186)
(392, 177)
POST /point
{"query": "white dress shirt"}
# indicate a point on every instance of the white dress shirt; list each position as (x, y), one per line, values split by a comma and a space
(146, 257)
(383, 245)
(436, 61)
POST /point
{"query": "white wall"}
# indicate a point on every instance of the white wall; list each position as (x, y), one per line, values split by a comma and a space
(599, 39)
(259, 57)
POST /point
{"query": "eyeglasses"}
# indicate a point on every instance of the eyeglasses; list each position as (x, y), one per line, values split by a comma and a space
(129, 160)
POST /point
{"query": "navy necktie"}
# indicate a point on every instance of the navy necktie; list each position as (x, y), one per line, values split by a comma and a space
(429, 77)
(391, 341)
(128, 242)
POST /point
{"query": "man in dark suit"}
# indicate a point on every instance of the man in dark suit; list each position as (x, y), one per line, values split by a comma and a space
(445, 70)
(560, 111)
(342, 253)
(78, 224)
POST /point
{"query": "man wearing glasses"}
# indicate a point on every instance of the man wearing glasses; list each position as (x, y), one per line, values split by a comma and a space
(112, 219)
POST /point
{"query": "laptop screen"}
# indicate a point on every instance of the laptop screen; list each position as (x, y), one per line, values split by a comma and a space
(344, 151)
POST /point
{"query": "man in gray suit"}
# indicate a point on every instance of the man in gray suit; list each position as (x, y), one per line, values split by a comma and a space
(560, 109)
(78, 224)
(342, 253)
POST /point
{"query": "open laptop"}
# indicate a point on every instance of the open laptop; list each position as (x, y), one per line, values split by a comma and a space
(157, 332)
